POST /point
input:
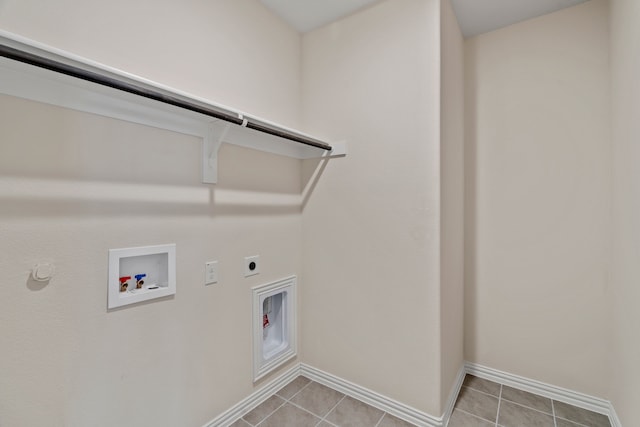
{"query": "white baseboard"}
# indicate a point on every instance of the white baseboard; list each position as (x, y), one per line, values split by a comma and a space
(377, 400)
(405, 412)
(560, 394)
(613, 417)
(386, 404)
(453, 395)
(246, 405)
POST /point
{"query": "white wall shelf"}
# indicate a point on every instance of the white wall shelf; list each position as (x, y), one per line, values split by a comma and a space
(41, 73)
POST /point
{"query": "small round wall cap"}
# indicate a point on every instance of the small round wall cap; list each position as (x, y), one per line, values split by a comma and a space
(43, 272)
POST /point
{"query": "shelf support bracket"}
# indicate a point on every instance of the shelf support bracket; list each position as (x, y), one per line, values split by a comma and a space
(210, 145)
(339, 150)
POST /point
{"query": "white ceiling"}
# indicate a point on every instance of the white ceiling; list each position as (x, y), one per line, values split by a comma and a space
(475, 16)
(306, 15)
(481, 16)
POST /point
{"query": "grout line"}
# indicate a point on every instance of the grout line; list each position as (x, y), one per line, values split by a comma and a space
(499, 401)
(553, 411)
(384, 414)
(529, 407)
(308, 411)
(483, 392)
(272, 412)
(331, 410)
(285, 401)
(576, 422)
(320, 421)
(474, 415)
(300, 407)
(297, 392)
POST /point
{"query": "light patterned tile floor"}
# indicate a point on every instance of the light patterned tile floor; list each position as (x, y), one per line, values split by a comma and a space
(303, 403)
(483, 403)
(480, 403)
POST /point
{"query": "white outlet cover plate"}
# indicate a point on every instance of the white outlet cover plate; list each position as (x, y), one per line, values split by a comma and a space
(247, 262)
(211, 273)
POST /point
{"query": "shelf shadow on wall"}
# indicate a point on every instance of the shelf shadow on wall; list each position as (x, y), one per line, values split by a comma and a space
(242, 203)
(41, 197)
(281, 187)
(56, 162)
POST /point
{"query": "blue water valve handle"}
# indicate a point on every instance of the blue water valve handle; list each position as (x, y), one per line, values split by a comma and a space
(139, 281)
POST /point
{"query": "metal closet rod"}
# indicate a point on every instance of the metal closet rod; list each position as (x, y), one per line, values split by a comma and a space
(70, 70)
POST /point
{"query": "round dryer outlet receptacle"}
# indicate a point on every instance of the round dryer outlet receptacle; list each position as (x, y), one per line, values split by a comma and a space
(251, 265)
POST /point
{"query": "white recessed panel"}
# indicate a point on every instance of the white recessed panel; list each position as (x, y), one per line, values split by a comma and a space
(274, 325)
(141, 274)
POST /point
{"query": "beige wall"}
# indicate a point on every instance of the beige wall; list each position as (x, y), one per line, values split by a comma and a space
(625, 67)
(68, 188)
(538, 204)
(382, 233)
(235, 53)
(371, 226)
(451, 198)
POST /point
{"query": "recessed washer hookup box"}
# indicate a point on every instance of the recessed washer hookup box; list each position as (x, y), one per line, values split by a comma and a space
(141, 274)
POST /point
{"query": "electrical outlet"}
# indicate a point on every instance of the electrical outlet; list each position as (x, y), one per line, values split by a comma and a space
(211, 273)
(251, 265)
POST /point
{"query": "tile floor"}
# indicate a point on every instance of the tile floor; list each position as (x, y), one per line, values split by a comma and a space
(305, 403)
(483, 403)
(480, 403)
